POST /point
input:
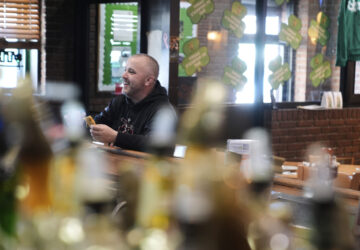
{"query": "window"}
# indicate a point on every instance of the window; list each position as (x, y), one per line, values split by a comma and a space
(279, 54)
(20, 40)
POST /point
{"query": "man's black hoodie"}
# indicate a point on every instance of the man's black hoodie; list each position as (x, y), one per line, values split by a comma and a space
(133, 121)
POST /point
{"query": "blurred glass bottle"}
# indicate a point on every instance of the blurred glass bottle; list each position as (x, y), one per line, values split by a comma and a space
(64, 175)
(269, 227)
(330, 221)
(9, 151)
(154, 218)
(35, 154)
(206, 209)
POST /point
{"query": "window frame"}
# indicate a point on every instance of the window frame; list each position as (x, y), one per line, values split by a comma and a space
(28, 43)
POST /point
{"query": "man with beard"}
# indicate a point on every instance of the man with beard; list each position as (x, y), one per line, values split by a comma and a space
(127, 121)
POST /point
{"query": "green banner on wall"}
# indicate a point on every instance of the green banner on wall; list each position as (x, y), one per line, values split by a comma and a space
(196, 57)
(281, 73)
(321, 70)
(234, 75)
(232, 20)
(199, 9)
(318, 29)
(290, 33)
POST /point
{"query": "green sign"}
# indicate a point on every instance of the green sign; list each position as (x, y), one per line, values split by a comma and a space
(281, 73)
(318, 29)
(232, 19)
(321, 70)
(290, 33)
(110, 35)
(196, 57)
(280, 2)
(234, 75)
(199, 9)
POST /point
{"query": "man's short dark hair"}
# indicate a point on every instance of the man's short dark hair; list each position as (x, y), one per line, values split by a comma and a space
(154, 65)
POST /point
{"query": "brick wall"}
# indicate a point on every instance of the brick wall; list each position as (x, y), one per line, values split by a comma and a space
(294, 130)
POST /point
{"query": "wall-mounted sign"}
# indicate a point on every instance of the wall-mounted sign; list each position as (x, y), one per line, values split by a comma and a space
(321, 70)
(196, 57)
(232, 20)
(233, 75)
(118, 29)
(199, 9)
(290, 33)
(318, 29)
(281, 73)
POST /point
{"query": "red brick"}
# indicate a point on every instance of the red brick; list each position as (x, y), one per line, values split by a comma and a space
(279, 147)
(304, 138)
(321, 123)
(287, 124)
(284, 139)
(275, 125)
(343, 143)
(313, 131)
(296, 146)
(356, 129)
(351, 122)
(277, 132)
(350, 149)
(329, 130)
(303, 123)
(275, 140)
(352, 136)
(356, 142)
(320, 137)
(337, 122)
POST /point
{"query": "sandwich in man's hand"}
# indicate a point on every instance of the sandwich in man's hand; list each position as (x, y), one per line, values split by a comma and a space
(89, 120)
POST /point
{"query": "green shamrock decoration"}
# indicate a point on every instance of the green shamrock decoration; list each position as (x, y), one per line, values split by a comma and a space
(234, 75)
(281, 73)
(321, 70)
(195, 57)
(232, 19)
(318, 29)
(199, 9)
(291, 33)
(280, 2)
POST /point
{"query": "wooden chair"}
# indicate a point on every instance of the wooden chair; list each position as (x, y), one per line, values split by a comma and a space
(346, 160)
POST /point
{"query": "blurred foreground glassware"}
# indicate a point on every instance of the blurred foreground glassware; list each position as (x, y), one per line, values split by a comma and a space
(35, 155)
(330, 221)
(207, 211)
(154, 222)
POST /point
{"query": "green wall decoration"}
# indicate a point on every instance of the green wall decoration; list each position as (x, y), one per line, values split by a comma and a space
(290, 33)
(321, 70)
(280, 2)
(199, 9)
(281, 73)
(186, 33)
(196, 57)
(233, 75)
(318, 29)
(109, 41)
(232, 20)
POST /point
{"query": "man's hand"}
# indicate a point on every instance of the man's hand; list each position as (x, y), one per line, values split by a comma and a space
(103, 133)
